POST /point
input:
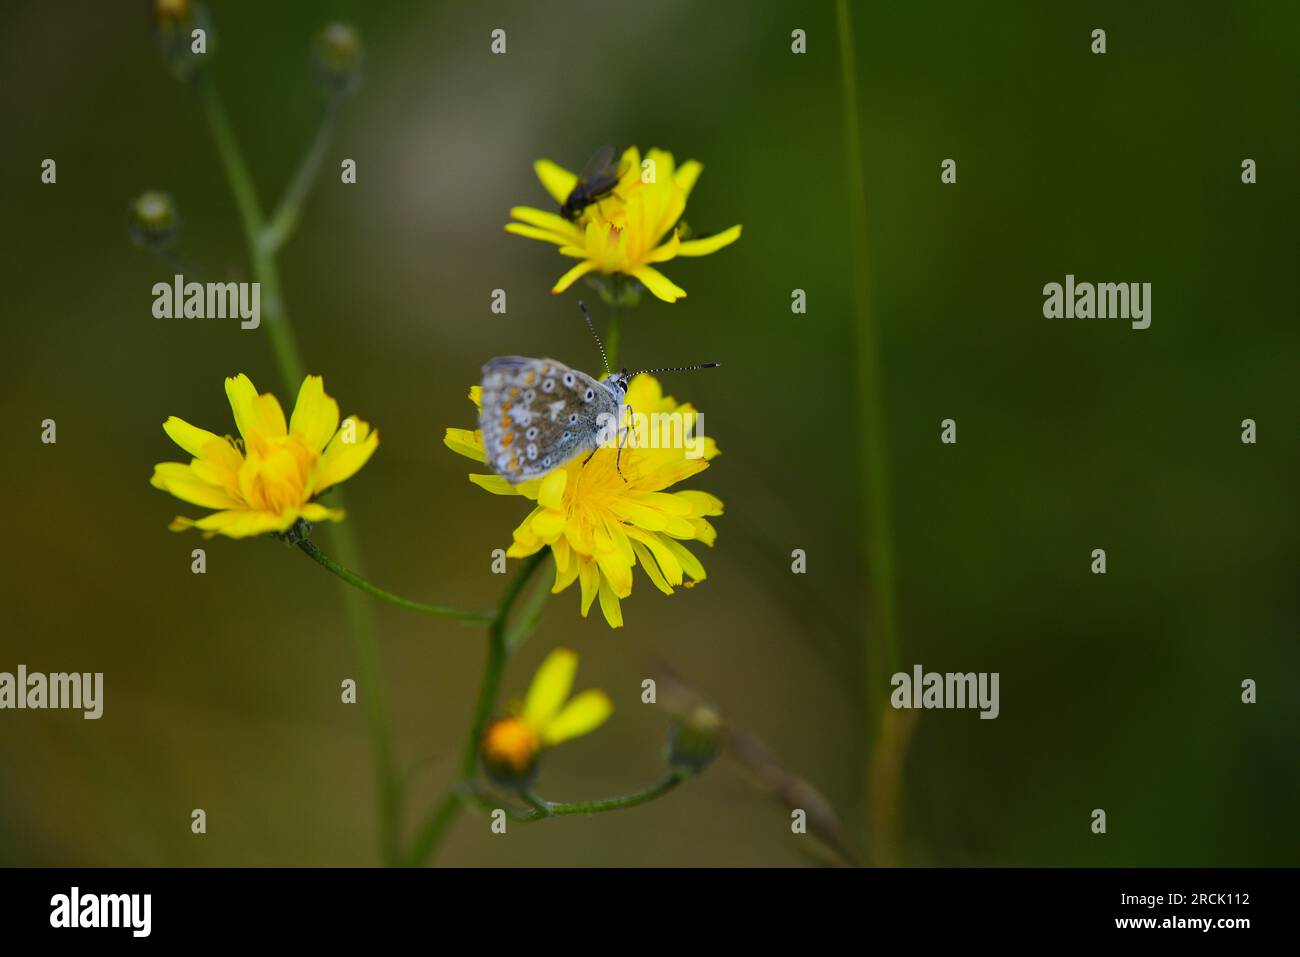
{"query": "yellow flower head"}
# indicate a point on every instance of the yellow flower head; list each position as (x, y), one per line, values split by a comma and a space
(600, 524)
(627, 231)
(511, 744)
(266, 481)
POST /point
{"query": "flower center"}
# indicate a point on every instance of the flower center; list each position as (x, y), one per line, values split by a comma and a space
(276, 473)
(592, 490)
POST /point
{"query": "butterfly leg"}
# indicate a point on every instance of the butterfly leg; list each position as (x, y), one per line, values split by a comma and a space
(622, 439)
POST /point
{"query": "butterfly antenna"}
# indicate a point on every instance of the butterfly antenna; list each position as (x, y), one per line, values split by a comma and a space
(590, 325)
(702, 365)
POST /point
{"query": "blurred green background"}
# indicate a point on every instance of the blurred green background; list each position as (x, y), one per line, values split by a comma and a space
(1119, 692)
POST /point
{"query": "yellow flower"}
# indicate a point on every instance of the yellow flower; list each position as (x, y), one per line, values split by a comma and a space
(511, 744)
(600, 524)
(625, 231)
(267, 481)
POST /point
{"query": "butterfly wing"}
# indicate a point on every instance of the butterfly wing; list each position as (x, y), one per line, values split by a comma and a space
(537, 414)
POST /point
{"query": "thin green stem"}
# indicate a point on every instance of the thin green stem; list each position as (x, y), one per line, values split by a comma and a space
(496, 661)
(440, 611)
(529, 616)
(882, 643)
(288, 359)
(656, 790)
(284, 346)
(539, 806)
(285, 217)
(541, 809)
(431, 833)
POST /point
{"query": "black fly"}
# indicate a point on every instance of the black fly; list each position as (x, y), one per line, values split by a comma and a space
(597, 180)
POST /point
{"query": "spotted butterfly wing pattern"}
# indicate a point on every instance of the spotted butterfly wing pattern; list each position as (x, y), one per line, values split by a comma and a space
(537, 414)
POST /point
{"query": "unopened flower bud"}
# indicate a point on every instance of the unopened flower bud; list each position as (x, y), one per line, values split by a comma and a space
(152, 220)
(695, 741)
(337, 58)
(175, 23)
(509, 751)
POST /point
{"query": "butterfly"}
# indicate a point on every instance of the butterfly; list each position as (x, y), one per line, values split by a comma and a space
(539, 414)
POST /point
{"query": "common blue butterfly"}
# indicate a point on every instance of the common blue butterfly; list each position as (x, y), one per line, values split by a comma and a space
(538, 414)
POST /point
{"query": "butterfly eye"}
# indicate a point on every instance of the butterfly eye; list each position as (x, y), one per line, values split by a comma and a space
(573, 418)
(568, 379)
(532, 450)
(566, 436)
(532, 433)
(590, 395)
(546, 462)
(548, 385)
(529, 395)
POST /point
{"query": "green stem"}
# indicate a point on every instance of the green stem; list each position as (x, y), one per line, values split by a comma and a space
(542, 809)
(285, 348)
(285, 218)
(441, 611)
(431, 834)
(882, 654)
(656, 790)
(529, 615)
(496, 661)
(288, 359)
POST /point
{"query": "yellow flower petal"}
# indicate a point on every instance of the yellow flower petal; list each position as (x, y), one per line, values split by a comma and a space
(555, 179)
(687, 174)
(316, 512)
(189, 437)
(315, 415)
(667, 251)
(690, 564)
(565, 575)
(218, 455)
(241, 523)
(545, 235)
(548, 525)
(547, 221)
(495, 484)
(522, 549)
(631, 163)
(180, 480)
(659, 284)
(667, 559)
(242, 394)
(341, 459)
(709, 244)
(466, 442)
(583, 715)
(609, 605)
(589, 579)
(572, 276)
(549, 688)
(551, 494)
(702, 503)
(254, 412)
(651, 568)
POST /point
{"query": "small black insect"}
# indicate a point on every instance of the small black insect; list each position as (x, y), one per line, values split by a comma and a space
(596, 181)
